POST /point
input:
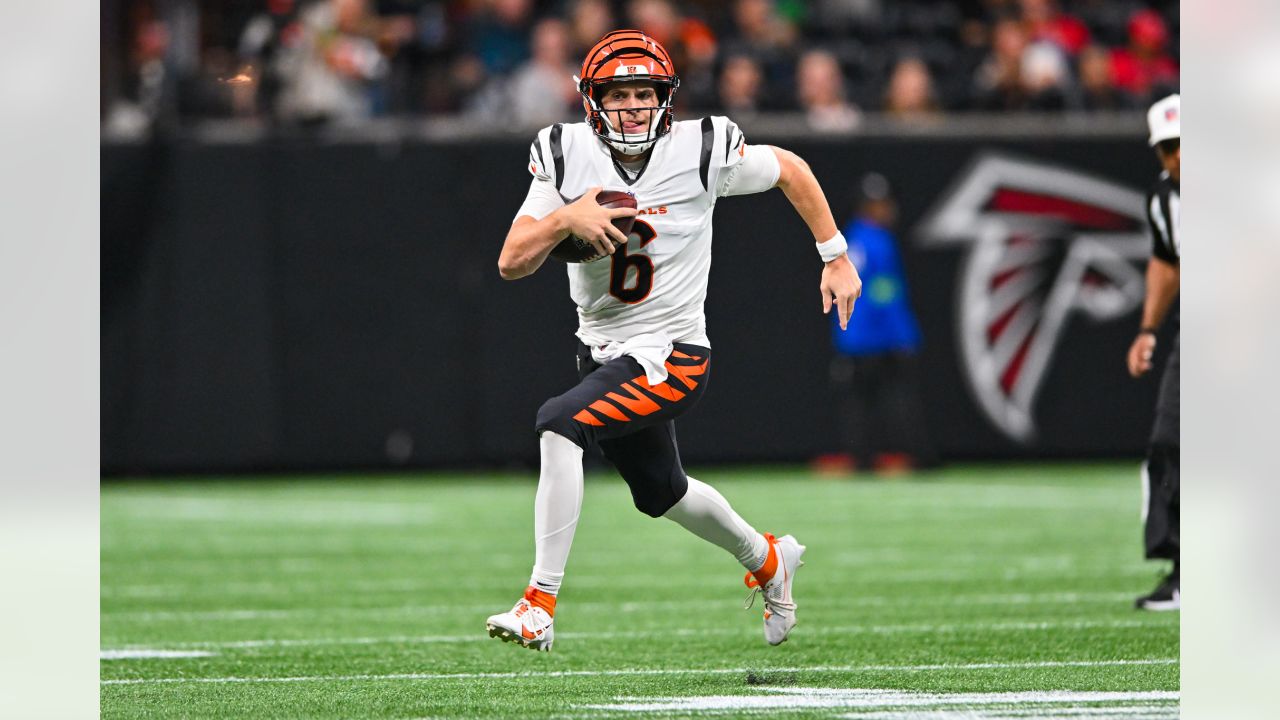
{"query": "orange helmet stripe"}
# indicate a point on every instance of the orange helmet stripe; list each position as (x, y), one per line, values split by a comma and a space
(620, 45)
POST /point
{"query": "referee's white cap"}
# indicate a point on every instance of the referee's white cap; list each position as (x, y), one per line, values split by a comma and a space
(1165, 119)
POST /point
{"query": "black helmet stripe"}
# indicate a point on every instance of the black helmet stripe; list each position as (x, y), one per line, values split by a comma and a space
(631, 51)
(602, 46)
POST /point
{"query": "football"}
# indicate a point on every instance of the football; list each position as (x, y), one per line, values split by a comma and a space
(574, 249)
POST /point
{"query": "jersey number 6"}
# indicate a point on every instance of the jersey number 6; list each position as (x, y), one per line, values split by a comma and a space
(642, 280)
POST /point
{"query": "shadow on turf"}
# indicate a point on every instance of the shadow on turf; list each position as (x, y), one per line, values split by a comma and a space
(773, 678)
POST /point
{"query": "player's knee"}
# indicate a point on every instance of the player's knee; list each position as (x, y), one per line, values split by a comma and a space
(654, 496)
(552, 411)
(556, 415)
(654, 505)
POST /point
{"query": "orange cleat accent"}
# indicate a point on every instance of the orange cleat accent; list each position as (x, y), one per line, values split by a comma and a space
(766, 572)
(544, 600)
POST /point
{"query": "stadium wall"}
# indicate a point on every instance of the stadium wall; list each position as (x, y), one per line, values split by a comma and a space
(292, 304)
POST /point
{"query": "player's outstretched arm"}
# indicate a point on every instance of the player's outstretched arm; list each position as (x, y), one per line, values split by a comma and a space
(529, 241)
(1162, 287)
(840, 284)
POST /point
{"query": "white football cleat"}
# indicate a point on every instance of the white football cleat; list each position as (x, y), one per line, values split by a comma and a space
(527, 623)
(779, 607)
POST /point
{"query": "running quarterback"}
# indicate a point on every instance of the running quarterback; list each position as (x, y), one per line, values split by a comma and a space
(644, 357)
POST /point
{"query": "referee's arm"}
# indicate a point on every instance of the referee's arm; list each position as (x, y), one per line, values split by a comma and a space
(1162, 288)
(1163, 280)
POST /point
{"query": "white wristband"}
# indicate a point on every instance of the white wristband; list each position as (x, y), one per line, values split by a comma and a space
(833, 248)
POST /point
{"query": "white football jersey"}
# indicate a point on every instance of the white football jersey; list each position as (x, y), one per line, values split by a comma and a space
(659, 283)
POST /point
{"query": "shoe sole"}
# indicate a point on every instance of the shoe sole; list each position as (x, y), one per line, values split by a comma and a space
(505, 635)
(1175, 603)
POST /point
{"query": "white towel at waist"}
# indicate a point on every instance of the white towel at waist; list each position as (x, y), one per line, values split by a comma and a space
(651, 350)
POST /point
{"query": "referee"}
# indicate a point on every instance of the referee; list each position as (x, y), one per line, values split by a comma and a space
(1160, 471)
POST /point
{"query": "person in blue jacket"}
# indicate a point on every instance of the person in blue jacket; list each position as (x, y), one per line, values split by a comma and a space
(874, 371)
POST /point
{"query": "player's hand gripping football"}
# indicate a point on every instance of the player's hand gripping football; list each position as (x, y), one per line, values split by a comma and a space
(840, 287)
(592, 222)
(1140, 353)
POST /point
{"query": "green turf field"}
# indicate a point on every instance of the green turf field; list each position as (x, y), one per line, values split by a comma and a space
(970, 593)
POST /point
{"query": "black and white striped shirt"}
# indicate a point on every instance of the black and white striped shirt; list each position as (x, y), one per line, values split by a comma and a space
(1163, 212)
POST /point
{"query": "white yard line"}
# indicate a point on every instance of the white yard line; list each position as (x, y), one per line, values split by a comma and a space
(479, 637)
(149, 653)
(626, 607)
(648, 671)
(791, 699)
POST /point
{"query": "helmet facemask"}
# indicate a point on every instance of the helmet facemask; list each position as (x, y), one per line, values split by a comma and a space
(608, 124)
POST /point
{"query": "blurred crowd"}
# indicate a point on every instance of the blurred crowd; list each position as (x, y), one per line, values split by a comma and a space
(510, 62)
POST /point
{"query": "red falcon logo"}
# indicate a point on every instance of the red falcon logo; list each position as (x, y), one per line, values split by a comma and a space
(1045, 243)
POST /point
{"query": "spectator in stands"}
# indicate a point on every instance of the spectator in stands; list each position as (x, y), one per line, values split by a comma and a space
(497, 42)
(690, 42)
(741, 87)
(542, 90)
(1144, 68)
(910, 94)
(1045, 77)
(846, 13)
(499, 35)
(1044, 20)
(329, 62)
(301, 58)
(589, 20)
(1097, 91)
(821, 93)
(760, 32)
(873, 371)
(998, 82)
(143, 96)
(656, 18)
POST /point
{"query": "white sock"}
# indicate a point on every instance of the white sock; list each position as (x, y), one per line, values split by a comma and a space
(705, 513)
(555, 510)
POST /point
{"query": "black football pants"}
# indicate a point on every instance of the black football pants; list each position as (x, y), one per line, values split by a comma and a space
(879, 407)
(1161, 471)
(613, 405)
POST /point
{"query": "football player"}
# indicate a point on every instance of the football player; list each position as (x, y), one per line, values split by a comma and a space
(643, 356)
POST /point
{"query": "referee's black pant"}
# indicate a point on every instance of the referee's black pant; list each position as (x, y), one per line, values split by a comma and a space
(879, 407)
(1160, 472)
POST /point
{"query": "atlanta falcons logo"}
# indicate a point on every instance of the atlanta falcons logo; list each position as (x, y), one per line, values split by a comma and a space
(1045, 243)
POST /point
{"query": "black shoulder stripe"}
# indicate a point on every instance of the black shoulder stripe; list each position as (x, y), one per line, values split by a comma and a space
(537, 146)
(728, 139)
(1168, 222)
(557, 153)
(708, 132)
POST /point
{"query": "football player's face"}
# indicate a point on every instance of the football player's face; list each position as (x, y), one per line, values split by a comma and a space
(630, 106)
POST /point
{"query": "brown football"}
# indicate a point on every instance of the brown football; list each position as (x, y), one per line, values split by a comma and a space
(574, 249)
